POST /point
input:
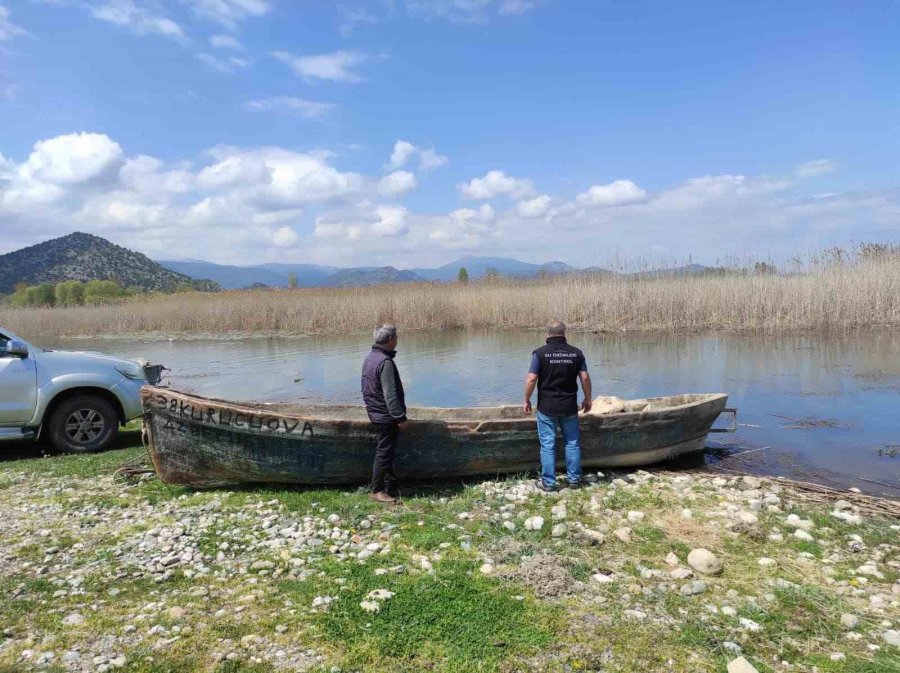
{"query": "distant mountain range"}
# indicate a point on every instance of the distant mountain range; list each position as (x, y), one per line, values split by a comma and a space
(310, 275)
(80, 256)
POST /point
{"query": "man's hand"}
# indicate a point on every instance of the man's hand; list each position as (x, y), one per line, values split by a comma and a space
(527, 407)
(586, 405)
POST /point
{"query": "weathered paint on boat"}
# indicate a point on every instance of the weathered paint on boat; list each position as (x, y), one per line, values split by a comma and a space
(195, 441)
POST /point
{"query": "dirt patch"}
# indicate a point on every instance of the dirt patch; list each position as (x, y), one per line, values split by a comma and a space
(547, 575)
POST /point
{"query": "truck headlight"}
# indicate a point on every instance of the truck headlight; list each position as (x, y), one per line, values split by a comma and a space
(133, 372)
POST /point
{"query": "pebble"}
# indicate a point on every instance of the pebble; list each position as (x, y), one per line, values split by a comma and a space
(559, 530)
(370, 606)
(891, 637)
(534, 523)
(623, 534)
(741, 665)
(749, 624)
(801, 534)
(849, 621)
(486, 569)
(672, 559)
(766, 562)
(704, 561)
(693, 588)
(635, 517)
(73, 619)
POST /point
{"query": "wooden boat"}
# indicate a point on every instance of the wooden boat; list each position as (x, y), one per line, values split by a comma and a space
(194, 441)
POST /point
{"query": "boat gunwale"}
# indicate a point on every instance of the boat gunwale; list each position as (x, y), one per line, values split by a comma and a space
(707, 398)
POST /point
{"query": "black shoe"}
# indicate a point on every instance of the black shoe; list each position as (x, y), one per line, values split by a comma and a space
(547, 489)
(576, 485)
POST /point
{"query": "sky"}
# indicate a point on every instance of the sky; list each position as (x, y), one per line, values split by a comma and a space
(414, 132)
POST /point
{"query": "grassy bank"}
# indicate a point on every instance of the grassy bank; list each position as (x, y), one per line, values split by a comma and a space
(835, 297)
(102, 575)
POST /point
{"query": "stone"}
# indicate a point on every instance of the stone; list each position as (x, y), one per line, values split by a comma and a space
(559, 530)
(693, 588)
(801, 524)
(486, 569)
(175, 612)
(747, 518)
(559, 512)
(751, 482)
(592, 537)
(635, 517)
(510, 526)
(280, 628)
(681, 573)
(623, 534)
(801, 534)
(729, 611)
(73, 619)
(749, 624)
(672, 559)
(380, 595)
(534, 523)
(600, 578)
(634, 614)
(849, 621)
(741, 665)
(370, 606)
(891, 637)
(766, 562)
(704, 561)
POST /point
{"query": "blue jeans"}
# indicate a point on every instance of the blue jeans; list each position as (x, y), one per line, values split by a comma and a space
(547, 434)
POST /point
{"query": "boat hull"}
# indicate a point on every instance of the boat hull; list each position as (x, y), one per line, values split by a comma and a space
(194, 441)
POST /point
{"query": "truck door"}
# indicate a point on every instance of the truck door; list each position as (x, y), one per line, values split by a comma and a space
(18, 387)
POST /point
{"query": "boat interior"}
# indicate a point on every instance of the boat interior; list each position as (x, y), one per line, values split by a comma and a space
(603, 406)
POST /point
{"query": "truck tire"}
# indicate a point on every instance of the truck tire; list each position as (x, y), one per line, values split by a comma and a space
(83, 424)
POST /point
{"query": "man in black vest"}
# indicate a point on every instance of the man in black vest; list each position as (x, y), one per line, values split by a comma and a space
(382, 392)
(555, 370)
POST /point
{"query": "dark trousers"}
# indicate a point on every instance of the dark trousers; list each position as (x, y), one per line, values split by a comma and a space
(383, 478)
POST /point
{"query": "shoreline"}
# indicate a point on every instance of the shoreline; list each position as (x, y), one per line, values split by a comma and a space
(638, 571)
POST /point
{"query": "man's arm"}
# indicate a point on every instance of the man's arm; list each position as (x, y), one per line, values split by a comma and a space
(586, 388)
(395, 406)
(530, 382)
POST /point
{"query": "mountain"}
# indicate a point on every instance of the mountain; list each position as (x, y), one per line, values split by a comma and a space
(479, 266)
(686, 270)
(236, 277)
(366, 276)
(229, 277)
(80, 256)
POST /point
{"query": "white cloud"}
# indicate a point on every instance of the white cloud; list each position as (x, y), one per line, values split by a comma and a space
(224, 65)
(225, 42)
(536, 207)
(614, 194)
(405, 151)
(8, 30)
(496, 183)
(391, 221)
(229, 12)
(72, 159)
(352, 17)
(469, 11)
(815, 167)
(397, 183)
(285, 237)
(291, 104)
(127, 14)
(335, 67)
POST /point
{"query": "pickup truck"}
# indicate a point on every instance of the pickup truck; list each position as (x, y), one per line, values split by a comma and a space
(74, 400)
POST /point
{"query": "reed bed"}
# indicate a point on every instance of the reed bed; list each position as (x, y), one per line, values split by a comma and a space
(837, 297)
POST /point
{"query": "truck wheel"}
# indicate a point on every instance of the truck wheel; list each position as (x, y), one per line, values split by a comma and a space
(83, 424)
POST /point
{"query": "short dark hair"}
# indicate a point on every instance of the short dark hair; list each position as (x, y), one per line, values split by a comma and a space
(556, 328)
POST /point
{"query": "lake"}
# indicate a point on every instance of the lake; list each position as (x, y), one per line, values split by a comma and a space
(821, 408)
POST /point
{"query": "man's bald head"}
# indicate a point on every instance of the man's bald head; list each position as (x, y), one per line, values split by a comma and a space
(556, 328)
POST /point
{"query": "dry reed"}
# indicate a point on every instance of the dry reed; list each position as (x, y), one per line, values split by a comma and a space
(839, 297)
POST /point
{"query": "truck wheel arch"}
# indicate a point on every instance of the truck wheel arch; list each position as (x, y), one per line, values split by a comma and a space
(68, 393)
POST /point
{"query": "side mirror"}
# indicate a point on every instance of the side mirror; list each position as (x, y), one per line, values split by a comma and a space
(17, 348)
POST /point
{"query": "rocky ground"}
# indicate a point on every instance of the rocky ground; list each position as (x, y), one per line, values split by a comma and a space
(637, 572)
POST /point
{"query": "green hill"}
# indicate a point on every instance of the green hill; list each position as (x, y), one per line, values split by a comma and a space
(84, 257)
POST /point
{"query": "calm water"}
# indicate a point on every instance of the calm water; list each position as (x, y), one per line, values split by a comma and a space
(814, 407)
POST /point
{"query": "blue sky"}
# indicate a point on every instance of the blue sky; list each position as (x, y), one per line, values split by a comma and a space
(245, 131)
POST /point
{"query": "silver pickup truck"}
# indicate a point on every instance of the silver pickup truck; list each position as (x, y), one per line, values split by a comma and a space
(74, 400)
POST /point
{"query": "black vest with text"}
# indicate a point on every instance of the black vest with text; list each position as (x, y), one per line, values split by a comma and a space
(558, 377)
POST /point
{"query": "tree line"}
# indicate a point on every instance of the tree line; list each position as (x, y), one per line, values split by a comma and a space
(75, 293)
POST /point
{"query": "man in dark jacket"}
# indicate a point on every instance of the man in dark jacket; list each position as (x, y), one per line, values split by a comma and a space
(382, 392)
(556, 369)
